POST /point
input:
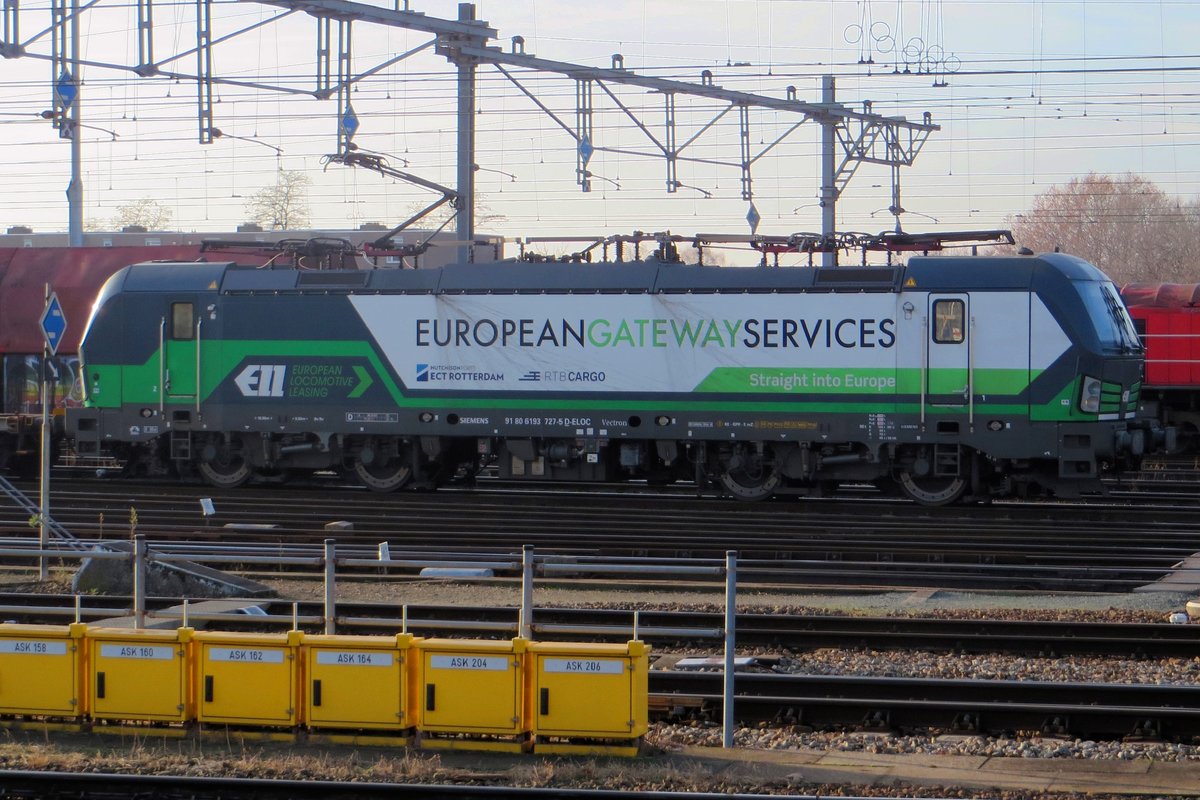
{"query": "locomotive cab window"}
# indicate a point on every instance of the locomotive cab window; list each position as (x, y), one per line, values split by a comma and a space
(182, 321)
(948, 318)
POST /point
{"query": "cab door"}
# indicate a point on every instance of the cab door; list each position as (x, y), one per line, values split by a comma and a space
(948, 360)
(180, 334)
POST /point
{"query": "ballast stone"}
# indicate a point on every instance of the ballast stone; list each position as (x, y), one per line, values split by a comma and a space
(107, 576)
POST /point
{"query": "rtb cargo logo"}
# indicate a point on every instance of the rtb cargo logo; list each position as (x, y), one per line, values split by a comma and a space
(262, 380)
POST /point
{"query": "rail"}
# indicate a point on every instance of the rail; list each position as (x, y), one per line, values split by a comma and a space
(1168, 638)
(89, 785)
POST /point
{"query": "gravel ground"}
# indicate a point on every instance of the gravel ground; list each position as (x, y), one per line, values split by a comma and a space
(1139, 607)
(654, 772)
(1061, 669)
(673, 737)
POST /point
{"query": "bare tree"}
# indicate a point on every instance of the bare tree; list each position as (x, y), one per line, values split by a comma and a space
(484, 215)
(284, 205)
(713, 256)
(147, 213)
(1124, 224)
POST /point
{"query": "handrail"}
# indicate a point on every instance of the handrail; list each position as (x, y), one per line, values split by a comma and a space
(925, 342)
(971, 374)
(199, 321)
(163, 377)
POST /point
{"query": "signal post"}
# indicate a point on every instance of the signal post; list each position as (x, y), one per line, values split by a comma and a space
(53, 324)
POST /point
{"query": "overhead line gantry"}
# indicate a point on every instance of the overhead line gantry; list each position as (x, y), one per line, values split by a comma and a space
(849, 137)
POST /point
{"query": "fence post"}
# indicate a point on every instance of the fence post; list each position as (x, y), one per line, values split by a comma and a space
(139, 581)
(43, 515)
(526, 621)
(330, 587)
(730, 639)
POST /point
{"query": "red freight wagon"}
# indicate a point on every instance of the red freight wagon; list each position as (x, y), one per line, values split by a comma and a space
(1167, 316)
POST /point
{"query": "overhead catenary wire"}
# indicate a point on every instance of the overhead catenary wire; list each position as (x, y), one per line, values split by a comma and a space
(1130, 87)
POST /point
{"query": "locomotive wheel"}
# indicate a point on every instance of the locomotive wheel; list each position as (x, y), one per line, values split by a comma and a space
(745, 486)
(929, 491)
(387, 477)
(227, 470)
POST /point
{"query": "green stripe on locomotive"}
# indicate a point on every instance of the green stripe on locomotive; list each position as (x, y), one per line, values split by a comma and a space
(996, 390)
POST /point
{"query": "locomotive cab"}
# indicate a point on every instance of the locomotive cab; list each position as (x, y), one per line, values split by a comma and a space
(1030, 378)
(143, 357)
(1109, 369)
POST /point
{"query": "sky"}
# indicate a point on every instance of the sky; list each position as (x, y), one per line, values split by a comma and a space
(1028, 94)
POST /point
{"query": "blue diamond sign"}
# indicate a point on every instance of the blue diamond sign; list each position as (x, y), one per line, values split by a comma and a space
(65, 89)
(54, 324)
(753, 217)
(348, 124)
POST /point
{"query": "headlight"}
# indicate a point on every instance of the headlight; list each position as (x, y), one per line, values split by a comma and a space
(1089, 397)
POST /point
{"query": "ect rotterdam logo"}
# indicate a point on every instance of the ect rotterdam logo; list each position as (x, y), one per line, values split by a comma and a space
(455, 373)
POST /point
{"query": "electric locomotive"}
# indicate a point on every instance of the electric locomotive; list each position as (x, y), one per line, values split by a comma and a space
(946, 378)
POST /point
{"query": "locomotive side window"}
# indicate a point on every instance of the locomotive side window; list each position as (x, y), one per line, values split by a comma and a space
(948, 318)
(182, 325)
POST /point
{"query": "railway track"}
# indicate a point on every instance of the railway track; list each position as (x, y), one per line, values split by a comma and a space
(678, 628)
(1162, 478)
(1173, 479)
(1085, 710)
(871, 542)
(45, 785)
(1048, 535)
(827, 568)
